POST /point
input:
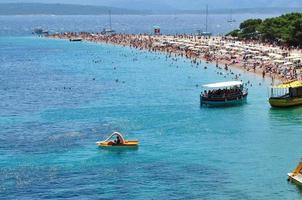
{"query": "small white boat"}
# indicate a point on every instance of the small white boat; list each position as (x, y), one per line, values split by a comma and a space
(108, 31)
(296, 175)
(75, 39)
(231, 20)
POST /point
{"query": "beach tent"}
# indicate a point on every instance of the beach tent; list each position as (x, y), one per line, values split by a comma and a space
(279, 61)
(182, 47)
(265, 58)
(201, 46)
(288, 63)
(274, 50)
(223, 51)
(274, 55)
(294, 58)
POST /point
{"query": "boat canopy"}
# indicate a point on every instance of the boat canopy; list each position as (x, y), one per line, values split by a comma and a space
(223, 84)
(115, 134)
(292, 84)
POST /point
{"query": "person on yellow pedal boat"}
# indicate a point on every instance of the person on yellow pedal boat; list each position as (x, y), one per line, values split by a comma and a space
(119, 140)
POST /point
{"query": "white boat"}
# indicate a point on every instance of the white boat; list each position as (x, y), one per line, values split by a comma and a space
(205, 33)
(223, 94)
(75, 39)
(231, 20)
(108, 31)
(40, 32)
(296, 175)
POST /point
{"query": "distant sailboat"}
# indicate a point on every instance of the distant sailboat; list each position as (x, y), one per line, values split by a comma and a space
(231, 20)
(108, 30)
(205, 33)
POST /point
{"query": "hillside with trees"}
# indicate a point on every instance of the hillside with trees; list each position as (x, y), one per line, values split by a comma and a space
(285, 30)
(59, 9)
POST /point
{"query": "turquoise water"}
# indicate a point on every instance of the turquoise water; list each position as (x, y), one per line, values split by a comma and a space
(58, 98)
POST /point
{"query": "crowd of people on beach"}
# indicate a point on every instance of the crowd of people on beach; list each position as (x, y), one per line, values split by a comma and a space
(267, 59)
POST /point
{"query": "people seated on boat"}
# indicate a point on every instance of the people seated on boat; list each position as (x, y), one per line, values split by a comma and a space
(290, 93)
(205, 93)
(222, 93)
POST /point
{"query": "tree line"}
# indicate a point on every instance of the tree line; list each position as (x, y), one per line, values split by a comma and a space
(285, 30)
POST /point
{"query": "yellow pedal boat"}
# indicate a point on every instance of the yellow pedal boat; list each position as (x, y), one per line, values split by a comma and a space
(296, 175)
(120, 142)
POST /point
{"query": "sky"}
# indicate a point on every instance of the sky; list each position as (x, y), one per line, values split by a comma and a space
(174, 4)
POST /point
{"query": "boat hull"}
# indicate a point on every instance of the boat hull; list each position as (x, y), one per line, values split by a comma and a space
(285, 102)
(75, 40)
(127, 143)
(297, 179)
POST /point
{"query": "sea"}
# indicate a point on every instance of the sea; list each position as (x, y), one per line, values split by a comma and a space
(131, 24)
(58, 98)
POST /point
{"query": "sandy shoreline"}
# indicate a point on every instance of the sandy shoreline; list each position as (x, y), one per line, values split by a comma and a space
(265, 60)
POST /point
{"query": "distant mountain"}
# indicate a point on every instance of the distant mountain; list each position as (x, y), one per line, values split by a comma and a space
(72, 9)
(272, 10)
(59, 9)
(175, 4)
(197, 4)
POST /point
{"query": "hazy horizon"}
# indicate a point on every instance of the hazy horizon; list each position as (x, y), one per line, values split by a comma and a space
(173, 5)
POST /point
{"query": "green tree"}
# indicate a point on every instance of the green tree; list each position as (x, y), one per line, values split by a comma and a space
(297, 32)
(249, 28)
(286, 29)
(234, 33)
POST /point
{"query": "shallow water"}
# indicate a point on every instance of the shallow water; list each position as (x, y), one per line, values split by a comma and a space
(58, 98)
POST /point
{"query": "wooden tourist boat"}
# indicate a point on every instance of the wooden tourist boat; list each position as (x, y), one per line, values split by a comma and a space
(286, 94)
(296, 175)
(115, 143)
(223, 94)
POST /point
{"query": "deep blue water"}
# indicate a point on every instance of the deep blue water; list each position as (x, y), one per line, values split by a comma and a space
(58, 98)
(170, 24)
